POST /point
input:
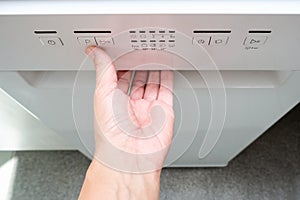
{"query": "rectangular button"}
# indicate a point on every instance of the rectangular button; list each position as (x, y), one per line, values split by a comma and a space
(201, 40)
(51, 41)
(86, 41)
(255, 40)
(105, 41)
(218, 40)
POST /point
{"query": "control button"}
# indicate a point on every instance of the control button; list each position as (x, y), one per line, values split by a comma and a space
(201, 40)
(255, 40)
(105, 41)
(86, 41)
(51, 41)
(218, 40)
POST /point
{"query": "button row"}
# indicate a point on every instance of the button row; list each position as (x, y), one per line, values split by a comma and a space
(213, 40)
(152, 46)
(138, 44)
(152, 31)
(222, 40)
(152, 41)
(100, 41)
(152, 36)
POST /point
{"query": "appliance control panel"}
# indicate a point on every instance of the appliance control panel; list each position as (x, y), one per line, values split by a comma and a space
(159, 39)
(233, 42)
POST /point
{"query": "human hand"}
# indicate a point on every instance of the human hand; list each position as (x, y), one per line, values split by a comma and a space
(133, 125)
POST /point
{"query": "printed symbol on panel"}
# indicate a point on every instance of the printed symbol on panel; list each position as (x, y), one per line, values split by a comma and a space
(103, 42)
(201, 41)
(51, 42)
(135, 46)
(218, 41)
(87, 41)
(253, 41)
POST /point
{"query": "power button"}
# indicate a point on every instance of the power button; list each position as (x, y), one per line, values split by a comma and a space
(51, 41)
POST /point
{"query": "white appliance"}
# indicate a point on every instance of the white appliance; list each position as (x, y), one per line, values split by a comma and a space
(236, 64)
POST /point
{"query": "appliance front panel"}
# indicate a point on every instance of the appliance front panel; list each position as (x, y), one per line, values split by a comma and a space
(178, 41)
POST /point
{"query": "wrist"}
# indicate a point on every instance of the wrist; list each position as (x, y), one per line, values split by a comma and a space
(125, 184)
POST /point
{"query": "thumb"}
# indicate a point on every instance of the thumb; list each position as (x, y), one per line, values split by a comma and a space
(106, 77)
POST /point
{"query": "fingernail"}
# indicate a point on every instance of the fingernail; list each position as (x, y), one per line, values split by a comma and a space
(89, 51)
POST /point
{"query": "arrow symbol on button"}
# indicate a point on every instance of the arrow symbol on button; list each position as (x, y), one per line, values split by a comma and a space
(252, 41)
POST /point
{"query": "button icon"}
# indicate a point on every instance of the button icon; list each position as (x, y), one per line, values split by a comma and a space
(105, 41)
(255, 40)
(218, 40)
(201, 40)
(51, 41)
(135, 46)
(252, 41)
(86, 41)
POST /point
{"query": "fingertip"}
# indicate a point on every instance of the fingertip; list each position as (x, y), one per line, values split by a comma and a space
(167, 79)
(89, 50)
(168, 73)
(99, 56)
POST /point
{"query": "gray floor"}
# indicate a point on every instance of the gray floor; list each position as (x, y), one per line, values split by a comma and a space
(268, 169)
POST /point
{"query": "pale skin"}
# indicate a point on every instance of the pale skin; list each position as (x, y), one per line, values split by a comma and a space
(125, 129)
